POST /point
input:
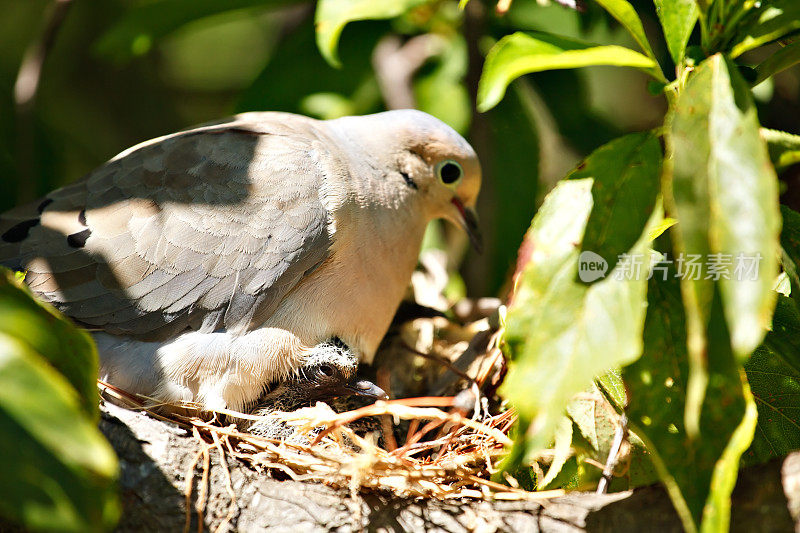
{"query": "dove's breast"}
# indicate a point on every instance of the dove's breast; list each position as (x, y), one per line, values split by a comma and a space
(356, 291)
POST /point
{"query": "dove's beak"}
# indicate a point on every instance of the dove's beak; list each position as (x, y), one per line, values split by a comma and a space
(366, 389)
(469, 221)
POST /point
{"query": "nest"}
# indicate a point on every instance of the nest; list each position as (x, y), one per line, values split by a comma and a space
(433, 446)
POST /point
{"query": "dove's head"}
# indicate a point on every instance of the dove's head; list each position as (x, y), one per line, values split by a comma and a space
(424, 161)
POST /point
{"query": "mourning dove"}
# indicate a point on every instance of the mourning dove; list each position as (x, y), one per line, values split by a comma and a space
(209, 262)
(328, 374)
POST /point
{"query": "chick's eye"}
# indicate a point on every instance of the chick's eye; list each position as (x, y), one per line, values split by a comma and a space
(326, 370)
(450, 172)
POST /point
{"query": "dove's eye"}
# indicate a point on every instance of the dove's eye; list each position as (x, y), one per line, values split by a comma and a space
(327, 370)
(449, 172)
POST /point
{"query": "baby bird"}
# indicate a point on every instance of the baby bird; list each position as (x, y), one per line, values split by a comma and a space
(327, 375)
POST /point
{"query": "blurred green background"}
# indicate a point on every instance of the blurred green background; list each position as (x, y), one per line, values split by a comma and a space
(121, 71)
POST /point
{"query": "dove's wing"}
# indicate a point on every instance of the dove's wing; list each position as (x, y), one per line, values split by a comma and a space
(204, 229)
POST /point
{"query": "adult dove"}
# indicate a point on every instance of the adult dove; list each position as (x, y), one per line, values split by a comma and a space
(210, 262)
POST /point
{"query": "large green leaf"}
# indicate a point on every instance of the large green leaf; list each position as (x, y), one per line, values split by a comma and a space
(560, 334)
(784, 148)
(59, 473)
(519, 53)
(678, 19)
(44, 331)
(723, 191)
(698, 472)
(145, 22)
(625, 175)
(784, 58)
(333, 15)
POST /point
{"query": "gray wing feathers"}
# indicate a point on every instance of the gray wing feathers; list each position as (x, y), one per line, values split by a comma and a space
(206, 229)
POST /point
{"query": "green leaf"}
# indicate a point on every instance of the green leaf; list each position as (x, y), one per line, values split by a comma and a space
(44, 331)
(723, 191)
(717, 511)
(597, 422)
(776, 388)
(774, 369)
(583, 410)
(59, 473)
(662, 227)
(784, 148)
(333, 15)
(613, 388)
(146, 22)
(626, 180)
(560, 334)
(626, 15)
(784, 58)
(698, 473)
(769, 22)
(678, 19)
(518, 54)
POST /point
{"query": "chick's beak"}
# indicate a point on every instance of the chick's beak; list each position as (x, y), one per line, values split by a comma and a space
(366, 389)
(469, 221)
